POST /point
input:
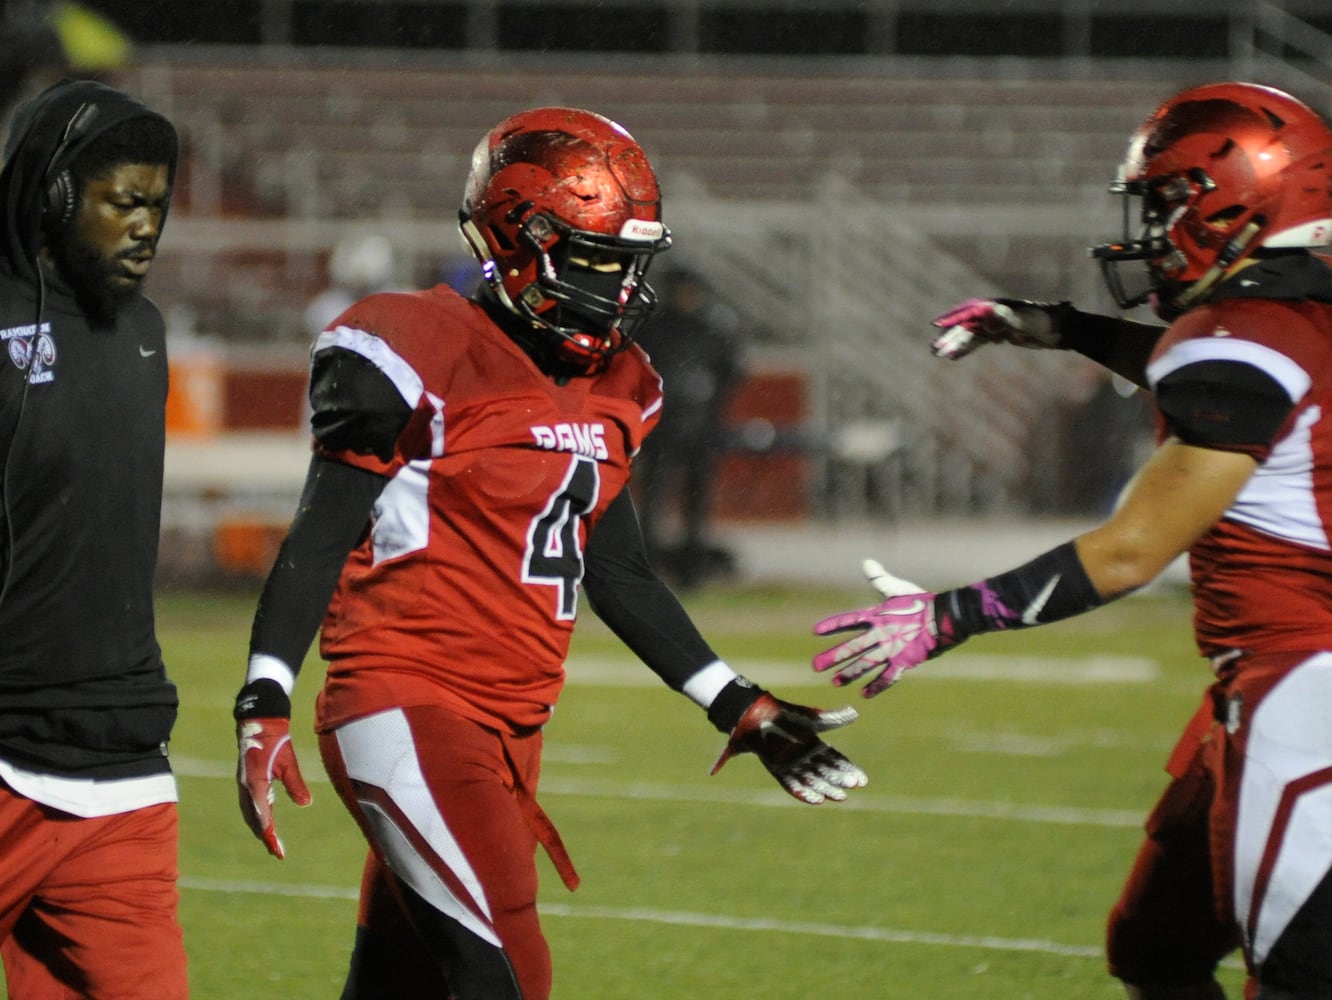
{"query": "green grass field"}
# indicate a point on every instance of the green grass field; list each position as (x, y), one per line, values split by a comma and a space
(1007, 786)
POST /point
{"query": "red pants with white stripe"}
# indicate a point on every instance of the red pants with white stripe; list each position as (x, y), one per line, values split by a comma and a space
(449, 894)
(1239, 848)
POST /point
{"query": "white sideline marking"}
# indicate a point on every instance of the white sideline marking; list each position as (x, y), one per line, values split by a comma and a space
(888, 934)
(268, 888)
(681, 918)
(1016, 744)
(1060, 671)
(612, 671)
(193, 767)
(857, 802)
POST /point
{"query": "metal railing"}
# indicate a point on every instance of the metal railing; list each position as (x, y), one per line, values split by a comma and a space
(842, 282)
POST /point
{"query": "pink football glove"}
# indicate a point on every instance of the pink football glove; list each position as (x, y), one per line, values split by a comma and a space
(978, 322)
(896, 635)
(785, 738)
(266, 754)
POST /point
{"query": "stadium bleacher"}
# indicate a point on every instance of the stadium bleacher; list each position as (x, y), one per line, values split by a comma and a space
(837, 204)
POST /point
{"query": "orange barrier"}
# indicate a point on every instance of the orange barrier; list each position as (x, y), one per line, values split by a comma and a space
(244, 545)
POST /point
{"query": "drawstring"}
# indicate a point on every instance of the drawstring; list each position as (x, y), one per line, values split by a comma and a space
(540, 824)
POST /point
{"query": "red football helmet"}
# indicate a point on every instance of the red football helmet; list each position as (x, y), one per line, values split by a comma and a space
(1222, 170)
(563, 211)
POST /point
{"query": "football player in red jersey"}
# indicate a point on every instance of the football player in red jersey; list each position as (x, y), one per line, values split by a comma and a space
(1234, 182)
(468, 483)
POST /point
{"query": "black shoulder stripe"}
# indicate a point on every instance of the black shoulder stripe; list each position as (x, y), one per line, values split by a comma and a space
(1226, 404)
(355, 405)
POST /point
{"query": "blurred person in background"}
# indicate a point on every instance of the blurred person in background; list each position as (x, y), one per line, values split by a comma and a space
(42, 42)
(694, 344)
(1098, 430)
(469, 483)
(1234, 181)
(88, 819)
(31, 56)
(358, 266)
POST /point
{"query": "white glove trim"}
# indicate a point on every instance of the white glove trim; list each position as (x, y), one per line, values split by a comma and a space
(885, 583)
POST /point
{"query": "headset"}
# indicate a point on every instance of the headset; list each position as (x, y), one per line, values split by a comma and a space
(59, 196)
(59, 191)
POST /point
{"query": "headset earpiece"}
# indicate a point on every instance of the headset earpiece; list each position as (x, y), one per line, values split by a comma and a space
(58, 202)
(60, 190)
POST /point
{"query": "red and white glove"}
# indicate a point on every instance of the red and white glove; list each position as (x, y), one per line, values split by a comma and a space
(785, 738)
(266, 754)
(901, 633)
(977, 322)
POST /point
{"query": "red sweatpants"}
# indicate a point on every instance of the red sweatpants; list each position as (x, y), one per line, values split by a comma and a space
(88, 906)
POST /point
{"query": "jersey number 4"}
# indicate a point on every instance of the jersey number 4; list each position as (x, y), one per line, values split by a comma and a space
(554, 552)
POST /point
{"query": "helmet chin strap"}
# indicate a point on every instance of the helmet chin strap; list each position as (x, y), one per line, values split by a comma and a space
(1199, 290)
(489, 268)
(568, 351)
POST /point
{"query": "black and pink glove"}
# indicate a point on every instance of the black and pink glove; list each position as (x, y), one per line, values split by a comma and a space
(902, 632)
(977, 322)
(913, 625)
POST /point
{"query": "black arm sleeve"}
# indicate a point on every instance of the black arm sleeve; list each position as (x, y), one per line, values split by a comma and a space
(1121, 345)
(333, 514)
(635, 604)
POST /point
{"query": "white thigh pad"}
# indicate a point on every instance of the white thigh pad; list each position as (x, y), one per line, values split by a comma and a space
(379, 751)
(1284, 805)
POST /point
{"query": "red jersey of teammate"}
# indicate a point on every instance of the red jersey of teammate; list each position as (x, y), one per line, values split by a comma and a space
(465, 589)
(1262, 575)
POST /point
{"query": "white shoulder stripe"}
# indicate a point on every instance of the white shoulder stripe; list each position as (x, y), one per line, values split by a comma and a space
(377, 352)
(657, 401)
(1289, 375)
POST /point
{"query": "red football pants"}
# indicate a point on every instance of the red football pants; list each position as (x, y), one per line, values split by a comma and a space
(88, 906)
(1239, 848)
(448, 806)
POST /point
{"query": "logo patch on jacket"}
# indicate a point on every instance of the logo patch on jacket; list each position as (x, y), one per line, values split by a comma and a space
(32, 350)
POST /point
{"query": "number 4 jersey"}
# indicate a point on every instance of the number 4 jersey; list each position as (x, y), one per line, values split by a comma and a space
(465, 588)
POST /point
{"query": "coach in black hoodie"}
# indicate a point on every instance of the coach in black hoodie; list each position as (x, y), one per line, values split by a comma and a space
(88, 861)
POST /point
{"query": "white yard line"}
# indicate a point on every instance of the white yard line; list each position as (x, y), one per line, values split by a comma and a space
(680, 918)
(624, 671)
(191, 767)
(859, 802)
(616, 671)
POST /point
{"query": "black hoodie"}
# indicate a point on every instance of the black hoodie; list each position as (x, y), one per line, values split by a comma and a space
(83, 692)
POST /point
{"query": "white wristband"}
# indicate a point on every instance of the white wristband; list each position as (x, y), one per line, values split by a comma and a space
(707, 683)
(265, 667)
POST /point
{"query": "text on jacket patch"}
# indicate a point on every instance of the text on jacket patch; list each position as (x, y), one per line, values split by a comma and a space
(581, 439)
(31, 349)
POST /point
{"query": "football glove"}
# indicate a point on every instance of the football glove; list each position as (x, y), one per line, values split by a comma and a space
(785, 738)
(901, 633)
(263, 737)
(978, 322)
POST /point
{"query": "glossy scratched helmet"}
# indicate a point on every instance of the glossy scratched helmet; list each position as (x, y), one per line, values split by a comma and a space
(1222, 170)
(563, 211)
